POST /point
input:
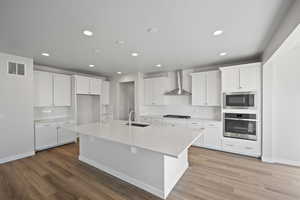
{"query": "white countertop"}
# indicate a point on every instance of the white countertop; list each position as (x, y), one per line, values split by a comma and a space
(171, 141)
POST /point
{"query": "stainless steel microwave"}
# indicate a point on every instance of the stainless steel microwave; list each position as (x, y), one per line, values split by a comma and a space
(245, 100)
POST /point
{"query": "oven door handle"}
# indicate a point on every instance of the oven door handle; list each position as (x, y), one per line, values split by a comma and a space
(250, 120)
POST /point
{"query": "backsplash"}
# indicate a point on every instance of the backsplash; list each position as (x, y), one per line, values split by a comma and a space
(52, 112)
(194, 111)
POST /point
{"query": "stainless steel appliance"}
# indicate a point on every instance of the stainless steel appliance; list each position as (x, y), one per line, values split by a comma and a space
(239, 125)
(177, 116)
(245, 100)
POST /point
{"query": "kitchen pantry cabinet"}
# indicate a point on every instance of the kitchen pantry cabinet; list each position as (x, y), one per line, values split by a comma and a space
(51, 89)
(241, 78)
(206, 88)
(87, 85)
(154, 90)
(105, 93)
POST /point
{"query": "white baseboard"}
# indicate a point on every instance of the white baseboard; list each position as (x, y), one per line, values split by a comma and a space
(281, 161)
(16, 157)
(124, 177)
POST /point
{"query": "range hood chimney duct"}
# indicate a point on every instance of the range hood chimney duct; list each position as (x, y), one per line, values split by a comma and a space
(179, 91)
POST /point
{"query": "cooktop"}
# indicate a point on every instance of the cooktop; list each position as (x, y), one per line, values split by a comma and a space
(177, 116)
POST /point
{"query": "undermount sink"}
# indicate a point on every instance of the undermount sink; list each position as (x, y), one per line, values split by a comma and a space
(138, 124)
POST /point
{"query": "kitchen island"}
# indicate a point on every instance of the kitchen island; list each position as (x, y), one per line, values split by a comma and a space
(152, 158)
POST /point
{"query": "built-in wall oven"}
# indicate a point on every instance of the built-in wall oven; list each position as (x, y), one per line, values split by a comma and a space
(237, 100)
(240, 125)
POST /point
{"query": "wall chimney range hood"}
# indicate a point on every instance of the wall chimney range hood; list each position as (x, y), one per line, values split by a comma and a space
(179, 91)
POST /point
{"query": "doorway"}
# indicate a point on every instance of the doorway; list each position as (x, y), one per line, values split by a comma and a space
(127, 102)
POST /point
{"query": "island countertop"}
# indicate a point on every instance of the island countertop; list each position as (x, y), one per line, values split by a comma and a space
(171, 141)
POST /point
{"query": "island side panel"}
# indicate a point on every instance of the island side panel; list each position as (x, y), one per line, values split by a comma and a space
(144, 169)
(174, 169)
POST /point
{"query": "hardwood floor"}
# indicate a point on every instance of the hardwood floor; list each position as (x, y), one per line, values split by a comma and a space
(57, 174)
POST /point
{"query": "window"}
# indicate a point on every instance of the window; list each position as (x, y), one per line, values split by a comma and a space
(16, 68)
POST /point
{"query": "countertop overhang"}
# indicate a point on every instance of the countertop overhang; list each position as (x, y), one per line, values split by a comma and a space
(171, 141)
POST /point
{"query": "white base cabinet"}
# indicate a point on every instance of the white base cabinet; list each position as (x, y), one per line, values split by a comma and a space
(244, 147)
(48, 135)
(45, 136)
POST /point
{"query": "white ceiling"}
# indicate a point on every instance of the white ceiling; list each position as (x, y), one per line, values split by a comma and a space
(184, 38)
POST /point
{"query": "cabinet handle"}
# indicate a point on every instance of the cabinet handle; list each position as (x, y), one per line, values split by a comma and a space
(248, 148)
(230, 145)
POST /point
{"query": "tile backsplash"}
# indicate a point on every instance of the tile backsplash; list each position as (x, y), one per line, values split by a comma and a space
(52, 112)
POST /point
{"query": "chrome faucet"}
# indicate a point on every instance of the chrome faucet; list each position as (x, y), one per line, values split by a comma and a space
(130, 117)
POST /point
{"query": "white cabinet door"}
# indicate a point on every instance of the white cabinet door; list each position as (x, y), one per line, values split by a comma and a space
(230, 80)
(45, 136)
(148, 92)
(213, 88)
(105, 93)
(248, 78)
(213, 135)
(199, 87)
(43, 92)
(62, 90)
(95, 86)
(159, 89)
(82, 85)
(65, 136)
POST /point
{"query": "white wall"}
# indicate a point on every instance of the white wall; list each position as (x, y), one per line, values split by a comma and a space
(281, 107)
(16, 110)
(289, 23)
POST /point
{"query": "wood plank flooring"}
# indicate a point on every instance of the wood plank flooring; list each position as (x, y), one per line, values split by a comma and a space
(57, 174)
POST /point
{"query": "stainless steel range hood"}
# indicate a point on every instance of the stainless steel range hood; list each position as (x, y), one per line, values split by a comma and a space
(179, 91)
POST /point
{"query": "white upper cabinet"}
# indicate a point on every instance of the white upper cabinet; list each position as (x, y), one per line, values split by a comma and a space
(82, 85)
(51, 89)
(105, 93)
(241, 78)
(154, 90)
(199, 89)
(249, 78)
(95, 86)
(206, 88)
(43, 91)
(86, 85)
(61, 90)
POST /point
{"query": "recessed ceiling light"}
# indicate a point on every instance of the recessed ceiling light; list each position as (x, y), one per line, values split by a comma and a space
(134, 54)
(158, 65)
(45, 54)
(152, 30)
(97, 50)
(120, 42)
(91, 65)
(218, 32)
(223, 54)
(119, 72)
(88, 33)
